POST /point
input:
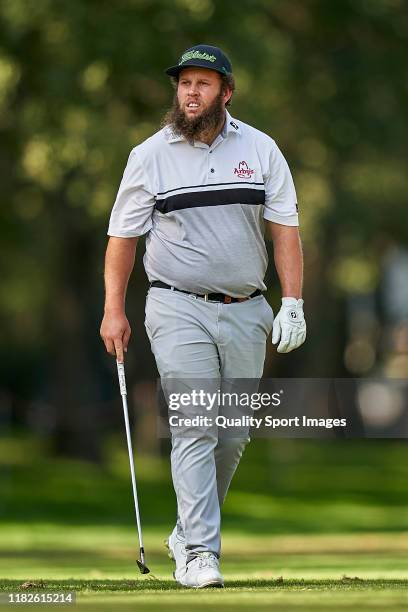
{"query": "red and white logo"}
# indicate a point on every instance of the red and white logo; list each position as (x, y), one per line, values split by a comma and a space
(243, 170)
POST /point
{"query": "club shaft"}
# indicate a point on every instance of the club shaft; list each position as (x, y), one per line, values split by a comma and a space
(132, 468)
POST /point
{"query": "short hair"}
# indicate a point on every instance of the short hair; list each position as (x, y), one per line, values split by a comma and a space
(227, 82)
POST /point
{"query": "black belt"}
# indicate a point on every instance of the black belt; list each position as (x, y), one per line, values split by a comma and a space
(208, 297)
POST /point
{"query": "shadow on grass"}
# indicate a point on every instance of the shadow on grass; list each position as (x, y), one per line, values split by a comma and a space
(159, 553)
(282, 486)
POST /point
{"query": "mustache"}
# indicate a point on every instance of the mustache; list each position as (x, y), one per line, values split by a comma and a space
(208, 120)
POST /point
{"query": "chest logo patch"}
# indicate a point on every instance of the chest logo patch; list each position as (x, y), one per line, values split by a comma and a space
(243, 170)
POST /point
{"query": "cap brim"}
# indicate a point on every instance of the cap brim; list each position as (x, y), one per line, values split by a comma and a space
(175, 70)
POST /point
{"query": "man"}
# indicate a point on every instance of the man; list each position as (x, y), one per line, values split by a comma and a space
(202, 189)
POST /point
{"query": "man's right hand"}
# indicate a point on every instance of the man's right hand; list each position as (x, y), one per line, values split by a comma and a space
(115, 332)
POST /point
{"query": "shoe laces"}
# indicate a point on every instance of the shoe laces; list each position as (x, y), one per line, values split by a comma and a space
(207, 559)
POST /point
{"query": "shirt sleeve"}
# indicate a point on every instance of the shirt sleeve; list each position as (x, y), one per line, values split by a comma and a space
(133, 208)
(280, 194)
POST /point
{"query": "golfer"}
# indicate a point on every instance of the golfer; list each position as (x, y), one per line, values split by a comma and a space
(205, 189)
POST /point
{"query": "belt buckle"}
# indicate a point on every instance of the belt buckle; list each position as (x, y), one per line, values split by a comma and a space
(227, 299)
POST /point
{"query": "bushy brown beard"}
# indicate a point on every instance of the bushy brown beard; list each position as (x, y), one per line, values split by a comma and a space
(206, 123)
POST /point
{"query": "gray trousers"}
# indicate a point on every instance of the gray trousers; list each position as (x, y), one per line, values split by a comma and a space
(194, 339)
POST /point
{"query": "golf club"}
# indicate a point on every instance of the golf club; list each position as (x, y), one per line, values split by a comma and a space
(122, 384)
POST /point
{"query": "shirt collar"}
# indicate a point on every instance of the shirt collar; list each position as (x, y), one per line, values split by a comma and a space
(230, 127)
(171, 136)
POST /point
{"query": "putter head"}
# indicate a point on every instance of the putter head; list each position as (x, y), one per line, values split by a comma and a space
(143, 568)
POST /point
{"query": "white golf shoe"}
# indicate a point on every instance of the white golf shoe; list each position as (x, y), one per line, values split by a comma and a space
(203, 571)
(177, 552)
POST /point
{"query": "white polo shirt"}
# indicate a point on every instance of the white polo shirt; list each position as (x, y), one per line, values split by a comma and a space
(203, 207)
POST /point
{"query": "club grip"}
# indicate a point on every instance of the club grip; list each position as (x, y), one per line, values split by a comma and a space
(122, 379)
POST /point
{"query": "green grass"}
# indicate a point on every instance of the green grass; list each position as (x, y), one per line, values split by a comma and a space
(310, 571)
(263, 594)
(307, 526)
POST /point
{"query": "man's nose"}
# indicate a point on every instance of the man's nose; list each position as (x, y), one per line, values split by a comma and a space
(192, 90)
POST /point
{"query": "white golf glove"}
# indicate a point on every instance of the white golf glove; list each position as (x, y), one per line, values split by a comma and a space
(289, 325)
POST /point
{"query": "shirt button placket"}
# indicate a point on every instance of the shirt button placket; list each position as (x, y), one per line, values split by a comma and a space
(211, 169)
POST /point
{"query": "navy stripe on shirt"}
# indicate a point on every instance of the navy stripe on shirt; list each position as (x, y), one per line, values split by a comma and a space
(219, 197)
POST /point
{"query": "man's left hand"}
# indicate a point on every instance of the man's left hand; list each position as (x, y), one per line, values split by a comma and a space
(289, 325)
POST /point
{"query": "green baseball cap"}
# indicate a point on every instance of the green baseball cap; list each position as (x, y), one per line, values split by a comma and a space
(202, 56)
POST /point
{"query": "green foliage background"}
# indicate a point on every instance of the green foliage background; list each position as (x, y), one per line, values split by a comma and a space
(82, 82)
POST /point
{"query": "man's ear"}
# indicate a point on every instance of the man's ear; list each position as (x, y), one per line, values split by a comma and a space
(227, 95)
